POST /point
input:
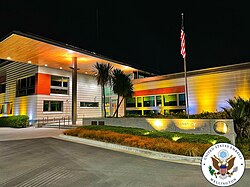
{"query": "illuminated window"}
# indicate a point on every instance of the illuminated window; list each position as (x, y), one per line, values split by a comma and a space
(6, 108)
(52, 106)
(130, 102)
(170, 100)
(59, 85)
(2, 88)
(148, 101)
(158, 100)
(139, 101)
(182, 101)
(89, 104)
(25, 86)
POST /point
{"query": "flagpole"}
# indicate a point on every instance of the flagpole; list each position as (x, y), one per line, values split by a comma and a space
(186, 88)
(185, 73)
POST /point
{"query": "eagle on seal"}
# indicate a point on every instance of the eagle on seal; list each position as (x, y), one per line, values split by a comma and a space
(223, 167)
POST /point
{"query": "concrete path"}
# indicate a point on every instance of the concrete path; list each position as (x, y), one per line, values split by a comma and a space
(27, 133)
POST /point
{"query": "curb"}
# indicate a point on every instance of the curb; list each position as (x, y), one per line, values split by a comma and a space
(135, 151)
(138, 151)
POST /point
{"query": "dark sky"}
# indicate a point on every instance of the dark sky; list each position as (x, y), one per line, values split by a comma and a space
(144, 33)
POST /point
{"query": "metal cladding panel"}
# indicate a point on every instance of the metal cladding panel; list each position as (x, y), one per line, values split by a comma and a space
(43, 84)
(87, 91)
(21, 105)
(208, 91)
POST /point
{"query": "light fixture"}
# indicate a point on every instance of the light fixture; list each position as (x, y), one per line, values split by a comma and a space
(29, 62)
(70, 51)
(86, 72)
(8, 58)
(46, 65)
(60, 67)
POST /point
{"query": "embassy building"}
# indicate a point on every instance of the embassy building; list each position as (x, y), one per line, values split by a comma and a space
(42, 78)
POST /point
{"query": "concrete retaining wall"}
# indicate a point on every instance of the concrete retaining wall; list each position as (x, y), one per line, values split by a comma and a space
(223, 127)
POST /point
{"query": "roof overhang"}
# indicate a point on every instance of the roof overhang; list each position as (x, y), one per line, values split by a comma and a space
(27, 48)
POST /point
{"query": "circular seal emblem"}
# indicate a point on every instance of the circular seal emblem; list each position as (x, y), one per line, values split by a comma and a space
(223, 164)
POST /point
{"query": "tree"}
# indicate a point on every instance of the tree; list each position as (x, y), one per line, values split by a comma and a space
(122, 86)
(240, 112)
(103, 78)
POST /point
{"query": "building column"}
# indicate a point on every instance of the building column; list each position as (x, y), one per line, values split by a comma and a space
(74, 90)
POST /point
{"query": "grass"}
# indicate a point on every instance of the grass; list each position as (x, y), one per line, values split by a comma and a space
(175, 143)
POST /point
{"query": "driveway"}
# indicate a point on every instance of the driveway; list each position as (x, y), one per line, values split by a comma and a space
(27, 133)
(52, 162)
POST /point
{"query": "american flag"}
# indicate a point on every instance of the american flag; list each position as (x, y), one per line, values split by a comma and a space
(183, 47)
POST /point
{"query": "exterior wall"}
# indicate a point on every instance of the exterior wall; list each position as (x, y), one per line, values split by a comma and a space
(206, 91)
(194, 126)
(87, 90)
(32, 105)
(21, 105)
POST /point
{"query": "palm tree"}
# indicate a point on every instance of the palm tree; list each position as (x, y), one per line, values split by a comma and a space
(103, 77)
(122, 86)
(240, 112)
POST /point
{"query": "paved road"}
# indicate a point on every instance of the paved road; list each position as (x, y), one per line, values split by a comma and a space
(27, 133)
(53, 162)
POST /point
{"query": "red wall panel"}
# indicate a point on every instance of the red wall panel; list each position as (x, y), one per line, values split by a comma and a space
(42, 84)
(176, 89)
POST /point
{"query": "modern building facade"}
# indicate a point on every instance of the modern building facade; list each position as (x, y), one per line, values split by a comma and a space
(46, 79)
(208, 90)
(37, 78)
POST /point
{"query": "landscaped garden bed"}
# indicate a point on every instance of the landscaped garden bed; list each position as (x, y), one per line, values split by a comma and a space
(170, 142)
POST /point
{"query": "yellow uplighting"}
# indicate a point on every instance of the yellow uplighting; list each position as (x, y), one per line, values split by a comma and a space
(8, 58)
(175, 138)
(159, 124)
(213, 141)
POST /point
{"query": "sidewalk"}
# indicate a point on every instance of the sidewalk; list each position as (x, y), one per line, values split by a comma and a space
(7, 133)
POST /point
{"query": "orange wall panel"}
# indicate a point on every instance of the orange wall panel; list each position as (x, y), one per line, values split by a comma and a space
(176, 89)
(42, 84)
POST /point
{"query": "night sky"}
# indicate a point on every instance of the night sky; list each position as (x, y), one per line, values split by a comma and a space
(144, 33)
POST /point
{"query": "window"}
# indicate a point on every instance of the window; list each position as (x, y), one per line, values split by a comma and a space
(52, 106)
(59, 85)
(182, 101)
(158, 100)
(139, 101)
(130, 102)
(170, 100)
(148, 101)
(89, 104)
(133, 112)
(25, 86)
(6, 108)
(2, 88)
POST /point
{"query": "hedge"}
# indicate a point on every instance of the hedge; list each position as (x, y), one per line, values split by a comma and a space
(14, 121)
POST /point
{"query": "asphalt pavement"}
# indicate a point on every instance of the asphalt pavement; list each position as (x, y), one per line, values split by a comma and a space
(42, 160)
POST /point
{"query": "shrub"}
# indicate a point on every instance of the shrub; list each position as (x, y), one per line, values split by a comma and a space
(240, 112)
(14, 121)
(181, 115)
(157, 144)
(183, 137)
